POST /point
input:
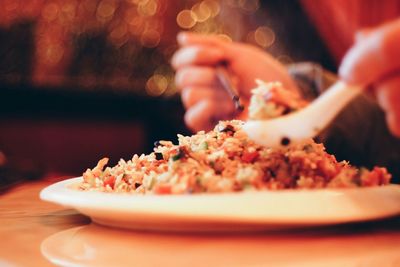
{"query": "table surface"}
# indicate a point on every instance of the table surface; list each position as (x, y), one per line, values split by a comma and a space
(37, 233)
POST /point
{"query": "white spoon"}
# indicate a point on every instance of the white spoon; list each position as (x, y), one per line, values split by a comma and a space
(304, 123)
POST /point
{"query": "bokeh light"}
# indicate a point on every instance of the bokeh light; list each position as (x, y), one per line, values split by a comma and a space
(202, 11)
(119, 34)
(156, 85)
(150, 38)
(186, 19)
(51, 54)
(134, 38)
(147, 8)
(68, 11)
(225, 37)
(213, 6)
(264, 36)
(136, 25)
(105, 10)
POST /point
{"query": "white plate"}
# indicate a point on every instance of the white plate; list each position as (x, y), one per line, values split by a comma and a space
(92, 245)
(231, 211)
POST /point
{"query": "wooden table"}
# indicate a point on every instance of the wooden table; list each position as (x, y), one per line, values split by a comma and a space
(30, 228)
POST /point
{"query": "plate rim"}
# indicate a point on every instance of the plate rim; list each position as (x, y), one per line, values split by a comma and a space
(61, 193)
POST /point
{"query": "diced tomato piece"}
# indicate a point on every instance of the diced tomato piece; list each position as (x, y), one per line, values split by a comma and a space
(162, 189)
(378, 176)
(110, 180)
(250, 157)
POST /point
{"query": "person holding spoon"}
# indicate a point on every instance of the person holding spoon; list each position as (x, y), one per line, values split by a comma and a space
(359, 133)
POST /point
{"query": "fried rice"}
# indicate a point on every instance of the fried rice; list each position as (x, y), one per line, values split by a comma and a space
(226, 160)
(270, 100)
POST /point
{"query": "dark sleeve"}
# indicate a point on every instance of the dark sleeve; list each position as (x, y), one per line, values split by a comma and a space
(359, 133)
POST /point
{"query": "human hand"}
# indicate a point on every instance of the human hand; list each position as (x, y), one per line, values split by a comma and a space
(202, 94)
(375, 60)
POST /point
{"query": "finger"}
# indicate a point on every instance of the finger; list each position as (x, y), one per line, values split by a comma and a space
(393, 123)
(191, 38)
(362, 34)
(371, 59)
(197, 55)
(192, 95)
(195, 76)
(388, 96)
(205, 114)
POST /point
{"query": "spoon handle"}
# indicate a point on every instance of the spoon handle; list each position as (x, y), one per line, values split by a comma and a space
(325, 108)
(226, 82)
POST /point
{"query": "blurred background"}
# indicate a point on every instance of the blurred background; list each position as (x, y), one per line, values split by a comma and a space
(84, 79)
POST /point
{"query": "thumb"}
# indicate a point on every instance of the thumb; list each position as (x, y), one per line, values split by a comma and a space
(374, 56)
(361, 35)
